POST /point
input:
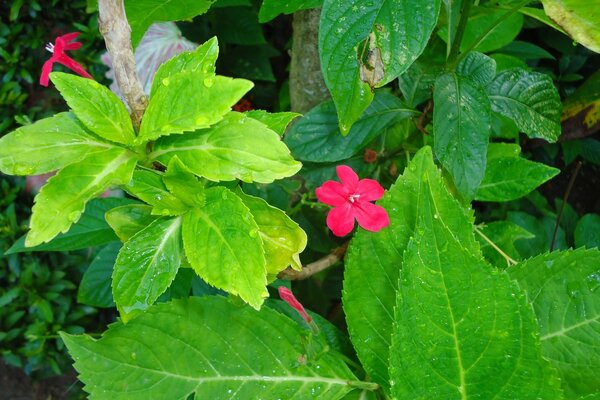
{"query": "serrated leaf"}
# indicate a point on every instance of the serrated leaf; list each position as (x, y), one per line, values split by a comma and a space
(369, 303)
(579, 18)
(188, 101)
(261, 350)
(62, 200)
(94, 289)
(149, 187)
(368, 44)
(587, 231)
(461, 130)
(99, 109)
(213, 237)
(316, 137)
(277, 122)
(146, 265)
(478, 67)
(183, 184)
(236, 148)
(530, 100)
(47, 145)
(283, 240)
(143, 13)
(562, 288)
(272, 8)
(462, 330)
(128, 220)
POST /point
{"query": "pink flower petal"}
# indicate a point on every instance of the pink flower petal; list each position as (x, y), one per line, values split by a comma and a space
(332, 193)
(73, 65)
(371, 217)
(341, 220)
(46, 69)
(348, 177)
(369, 190)
(286, 295)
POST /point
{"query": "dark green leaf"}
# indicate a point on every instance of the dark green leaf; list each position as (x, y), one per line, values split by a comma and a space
(587, 232)
(503, 235)
(478, 67)
(272, 8)
(94, 289)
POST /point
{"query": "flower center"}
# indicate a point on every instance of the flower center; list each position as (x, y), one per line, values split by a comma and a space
(50, 47)
(353, 198)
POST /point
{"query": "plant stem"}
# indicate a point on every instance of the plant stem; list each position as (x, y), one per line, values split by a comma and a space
(117, 35)
(509, 260)
(465, 10)
(315, 267)
(564, 202)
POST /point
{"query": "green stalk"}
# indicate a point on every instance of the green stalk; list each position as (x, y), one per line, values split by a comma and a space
(465, 10)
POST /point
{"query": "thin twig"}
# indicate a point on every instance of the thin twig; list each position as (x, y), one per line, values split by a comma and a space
(509, 260)
(564, 202)
(315, 267)
(117, 36)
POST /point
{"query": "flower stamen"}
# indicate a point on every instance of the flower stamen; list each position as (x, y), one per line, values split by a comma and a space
(50, 47)
(353, 197)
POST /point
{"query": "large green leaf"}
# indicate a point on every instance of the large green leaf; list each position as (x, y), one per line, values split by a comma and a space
(146, 266)
(210, 347)
(143, 13)
(530, 99)
(462, 330)
(47, 145)
(223, 244)
(236, 148)
(94, 289)
(478, 67)
(149, 187)
(188, 101)
(283, 240)
(580, 18)
(317, 138)
(368, 44)
(272, 8)
(563, 289)
(99, 109)
(61, 201)
(461, 130)
(369, 303)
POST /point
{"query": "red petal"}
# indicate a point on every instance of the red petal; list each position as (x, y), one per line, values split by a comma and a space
(67, 37)
(286, 295)
(46, 69)
(332, 193)
(369, 190)
(73, 46)
(371, 217)
(348, 177)
(341, 220)
(73, 65)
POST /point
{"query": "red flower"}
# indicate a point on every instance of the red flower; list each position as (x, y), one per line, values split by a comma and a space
(58, 55)
(287, 296)
(350, 199)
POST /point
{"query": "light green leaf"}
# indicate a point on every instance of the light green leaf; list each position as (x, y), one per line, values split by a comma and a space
(530, 99)
(223, 244)
(478, 67)
(317, 138)
(236, 148)
(277, 122)
(183, 184)
(94, 289)
(61, 201)
(462, 330)
(283, 240)
(143, 13)
(587, 231)
(47, 145)
(580, 18)
(99, 109)
(364, 45)
(128, 220)
(149, 187)
(540, 15)
(188, 101)
(201, 61)
(461, 130)
(272, 8)
(189, 341)
(369, 303)
(563, 289)
(146, 265)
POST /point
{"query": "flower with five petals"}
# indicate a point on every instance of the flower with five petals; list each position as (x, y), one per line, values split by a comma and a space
(351, 199)
(61, 45)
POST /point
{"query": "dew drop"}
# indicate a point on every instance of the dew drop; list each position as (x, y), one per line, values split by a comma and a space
(209, 81)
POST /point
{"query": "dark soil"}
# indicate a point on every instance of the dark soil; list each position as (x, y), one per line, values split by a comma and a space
(15, 385)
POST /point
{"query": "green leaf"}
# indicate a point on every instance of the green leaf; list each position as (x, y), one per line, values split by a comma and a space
(128, 220)
(229, 254)
(587, 232)
(99, 109)
(503, 234)
(146, 265)
(272, 8)
(462, 330)
(90, 231)
(94, 289)
(47, 145)
(187, 101)
(237, 25)
(183, 184)
(277, 122)
(580, 18)
(143, 13)
(498, 29)
(251, 62)
(369, 303)
(260, 350)
(530, 99)
(562, 288)
(478, 67)
(461, 130)
(542, 231)
(283, 240)
(317, 138)
(149, 187)
(236, 148)
(526, 51)
(361, 50)
(62, 200)
(416, 84)
(201, 61)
